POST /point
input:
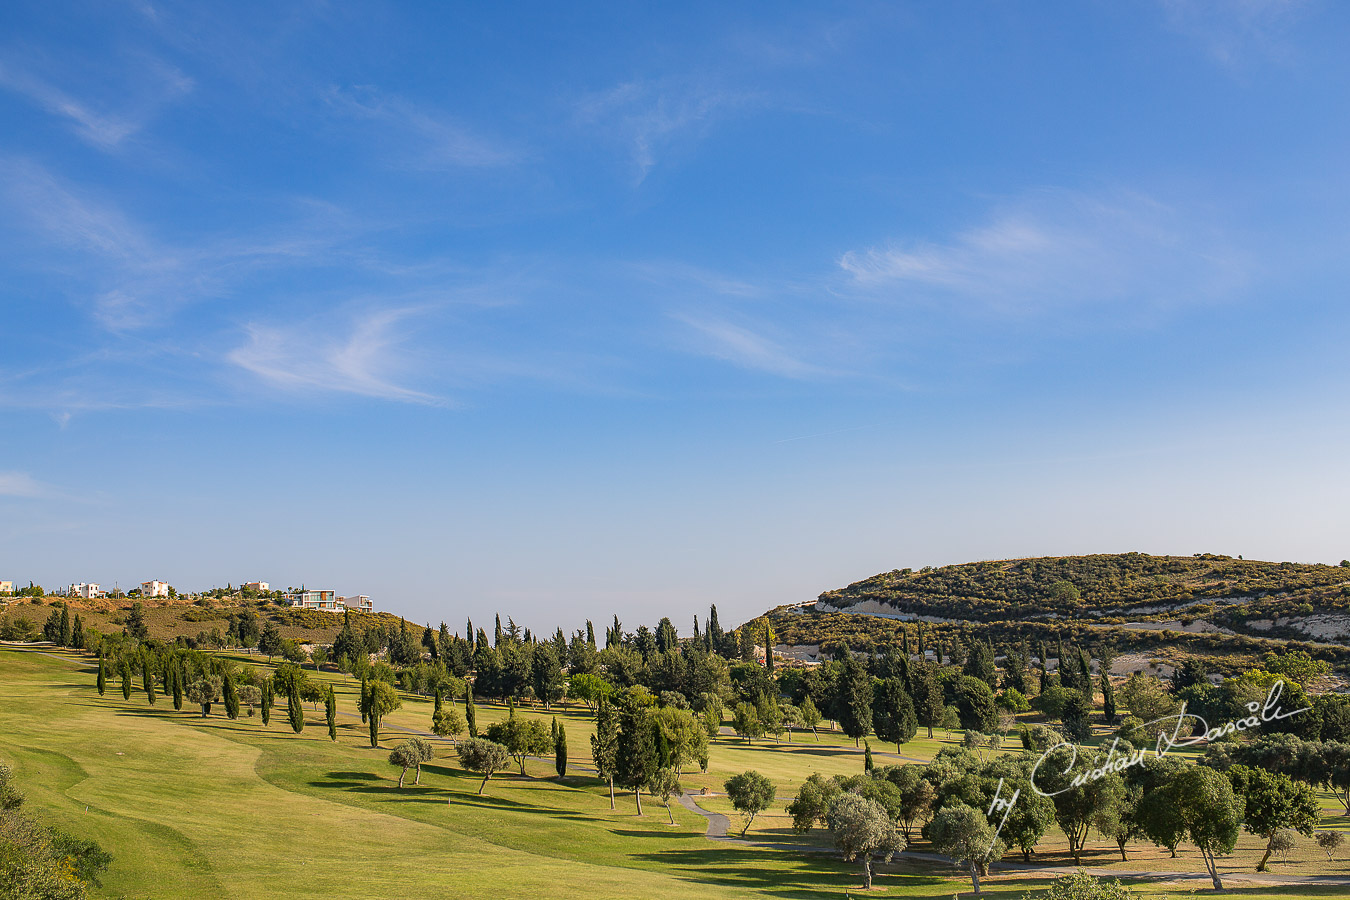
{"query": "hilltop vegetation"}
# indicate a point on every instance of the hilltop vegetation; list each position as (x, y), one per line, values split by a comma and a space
(1071, 586)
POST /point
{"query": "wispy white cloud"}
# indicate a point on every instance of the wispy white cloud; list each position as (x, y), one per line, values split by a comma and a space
(1059, 249)
(363, 356)
(746, 346)
(105, 125)
(130, 278)
(1233, 30)
(21, 484)
(418, 136)
(655, 117)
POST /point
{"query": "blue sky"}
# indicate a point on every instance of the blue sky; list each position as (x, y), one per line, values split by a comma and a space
(563, 310)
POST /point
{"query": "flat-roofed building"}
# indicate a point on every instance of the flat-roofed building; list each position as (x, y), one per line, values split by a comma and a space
(358, 603)
(314, 600)
(259, 586)
(154, 589)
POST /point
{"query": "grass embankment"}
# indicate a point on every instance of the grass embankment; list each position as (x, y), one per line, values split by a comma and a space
(213, 808)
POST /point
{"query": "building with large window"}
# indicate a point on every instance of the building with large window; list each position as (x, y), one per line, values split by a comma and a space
(314, 600)
(87, 591)
(358, 603)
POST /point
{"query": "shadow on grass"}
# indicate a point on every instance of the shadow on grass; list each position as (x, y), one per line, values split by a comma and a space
(764, 870)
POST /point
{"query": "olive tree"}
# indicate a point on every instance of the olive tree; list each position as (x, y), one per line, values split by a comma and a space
(483, 757)
(750, 793)
(411, 754)
(964, 834)
(1274, 803)
(663, 783)
(205, 691)
(862, 829)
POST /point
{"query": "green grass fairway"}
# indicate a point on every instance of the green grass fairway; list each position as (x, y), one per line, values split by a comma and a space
(208, 808)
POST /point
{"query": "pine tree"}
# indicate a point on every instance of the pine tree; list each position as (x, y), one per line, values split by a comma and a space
(768, 648)
(590, 634)
(470, 712)
(126, 677)
(497, 632)
(605, 744)
(365, 697)
(436, 703)
(294, 711)
(330, 712)
(65, 626)
(904, 641)
(102, 673)
(559, 748)
(231, 696)
(922, 652)
(77, 634)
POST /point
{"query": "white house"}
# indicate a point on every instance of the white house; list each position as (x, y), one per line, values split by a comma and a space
(259, 586)
(314, 600)
(87, 591)
(6, 587)
(154, 589)
(358, 603)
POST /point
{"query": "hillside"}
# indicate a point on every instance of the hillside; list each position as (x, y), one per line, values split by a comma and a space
(202, 621)
(1209, 604)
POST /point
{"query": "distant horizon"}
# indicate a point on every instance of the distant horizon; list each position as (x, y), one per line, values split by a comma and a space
(685, 629)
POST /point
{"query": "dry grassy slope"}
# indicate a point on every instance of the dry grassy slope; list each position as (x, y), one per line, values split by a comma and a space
(169, 619)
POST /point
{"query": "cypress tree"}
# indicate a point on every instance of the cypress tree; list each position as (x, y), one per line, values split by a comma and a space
(330, 711)
(102, 674)
(126, 677)
(267, 697)
(436, 708)
(365, 696)
(1108, 699)
(470, 713)
(77, 634)
(294, 711)
(867, 757)
(768, 648)
(374, 730)
(904, 641)
(559, 748)
(231, 696)
(176, 666)
(147, 679)
(65, 626)
(1085, 673)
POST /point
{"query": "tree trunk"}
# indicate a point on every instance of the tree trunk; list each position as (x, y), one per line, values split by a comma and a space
(669, 813)
(975, 876)
(1213, 867)
(1026, 855)
(611, 792)
(1261, 866)
(637, 795)
(418, 779)
(867, 871)
(1123, 857)
(930, 732)
(402, 775)
(484, 783)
